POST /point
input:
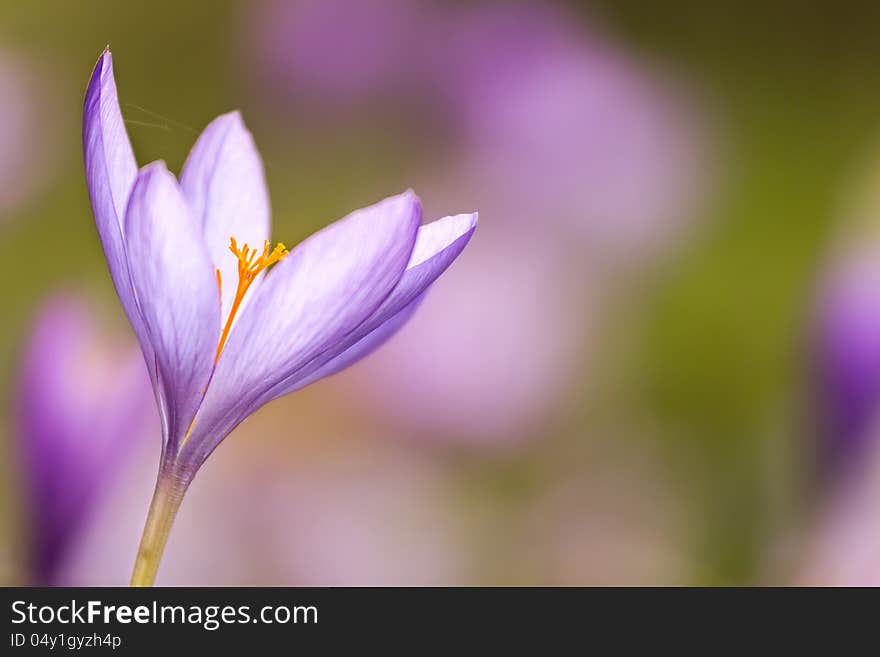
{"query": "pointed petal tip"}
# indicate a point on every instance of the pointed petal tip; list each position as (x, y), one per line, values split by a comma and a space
(229, 120)
(148, 176)
(153, 167)
(448, 236)
(105, 62)
(405, 205)
(225, 126)
(410, 195)
(472, 220)
(411, 199)
(233, 116)
(466, 221)
(101, 78)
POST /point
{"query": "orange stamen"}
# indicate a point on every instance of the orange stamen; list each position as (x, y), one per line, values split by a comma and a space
(249, 266)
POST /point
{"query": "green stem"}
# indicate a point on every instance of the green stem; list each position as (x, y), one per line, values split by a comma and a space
(166, 501)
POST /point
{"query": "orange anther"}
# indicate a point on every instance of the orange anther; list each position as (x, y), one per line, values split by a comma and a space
(249, 267)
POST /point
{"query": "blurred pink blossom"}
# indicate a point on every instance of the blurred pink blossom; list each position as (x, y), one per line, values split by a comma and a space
(204, 550)
(844, 548)
(336, 52)
(365, 517)
(547, 120)
(22, 133)
(617, 523)
(370, 518)
(561, 127)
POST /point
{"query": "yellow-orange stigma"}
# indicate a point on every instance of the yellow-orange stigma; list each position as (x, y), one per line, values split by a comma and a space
(249, 267)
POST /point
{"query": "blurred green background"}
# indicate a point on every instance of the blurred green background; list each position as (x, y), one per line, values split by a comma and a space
(701, 378)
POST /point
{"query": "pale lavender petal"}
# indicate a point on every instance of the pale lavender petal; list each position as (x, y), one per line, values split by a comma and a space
(177, 292)
(362, 348)
(438, 244)
(80, 403)
(223, 182)
(110, 173)
(321, 292)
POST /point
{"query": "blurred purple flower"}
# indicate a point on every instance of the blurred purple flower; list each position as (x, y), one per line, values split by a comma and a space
(558, 123)
(216, 351)
(82, 404)
(847, 352)
(336, 52)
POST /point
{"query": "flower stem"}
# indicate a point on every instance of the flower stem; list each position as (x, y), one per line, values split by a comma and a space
(166, 501)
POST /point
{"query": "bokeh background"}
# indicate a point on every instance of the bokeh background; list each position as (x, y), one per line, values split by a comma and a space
(656, 362)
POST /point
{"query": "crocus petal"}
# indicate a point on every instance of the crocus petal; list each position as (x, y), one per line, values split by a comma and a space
(110, 173)
(360, 349)
(177, 291)
(223, 182)
(316, 296)
(438, 244)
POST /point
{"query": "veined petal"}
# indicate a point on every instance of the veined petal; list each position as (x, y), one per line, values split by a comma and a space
(177, 291)
(322, 291)
(224, 183)
(110, 173)
(438, 244)
(326, 365)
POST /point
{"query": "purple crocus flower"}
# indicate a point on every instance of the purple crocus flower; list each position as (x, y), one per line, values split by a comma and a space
(82, 403)
(221, 337)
